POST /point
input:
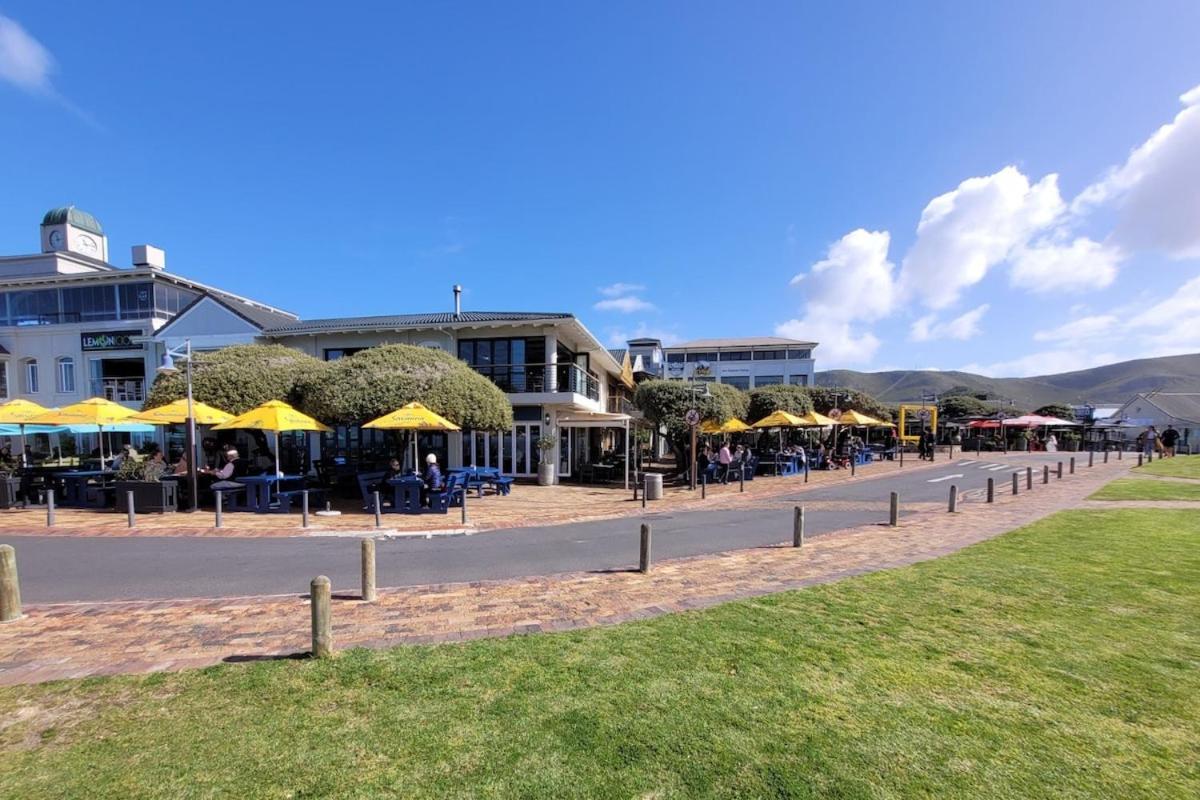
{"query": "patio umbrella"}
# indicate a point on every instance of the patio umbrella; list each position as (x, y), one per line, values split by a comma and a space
(18, 412)
(733, 425)
(176, 412)
(275, 416)
(815, 419)
(780, 419)
(104, 414)
(853, 417)
(412, 417)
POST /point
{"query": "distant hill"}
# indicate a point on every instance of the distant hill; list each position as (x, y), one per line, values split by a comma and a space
(1109, 384)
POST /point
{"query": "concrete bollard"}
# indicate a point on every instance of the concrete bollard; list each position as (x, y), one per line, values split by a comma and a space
(49, 508)
(1045, 473)
(1072, 465)
(644, 559)
(991, 490)
(1016, 486)
(322, 627)
(1029, 478)
(220, 507)
(129, 510)
(1059, 475)
(368, 570)
(304, 509)
(379, 508)
(953, 499)
(10, 585)
(894, 510)
(798, 526)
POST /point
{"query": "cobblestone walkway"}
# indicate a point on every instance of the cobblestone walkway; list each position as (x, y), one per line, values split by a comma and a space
(75, 640)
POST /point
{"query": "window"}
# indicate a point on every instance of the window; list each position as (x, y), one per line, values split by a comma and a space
(770, 355)
(170, 300)
(89, 303)
(806, 353)
(736, 355)
(768, 380)
(674, 358)
(737, 381)
(695, 357)
(39, 307)
(31, 376)
(137, 300)
(798, 380)
(3, 380)
(333, 354)
(66, 375)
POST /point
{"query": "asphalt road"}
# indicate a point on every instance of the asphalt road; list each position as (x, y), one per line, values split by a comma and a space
(72, 569)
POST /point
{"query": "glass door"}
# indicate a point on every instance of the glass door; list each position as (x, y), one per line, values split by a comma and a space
(564, 452)
(524, 448)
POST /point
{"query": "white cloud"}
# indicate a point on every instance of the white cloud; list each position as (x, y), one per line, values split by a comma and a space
(625, 305)
(1044, 363)
(965, 232)
(1082, 329)
(1157, 190)
(966, 326)
(1047, 266)
(840, 342)
(618, 289)
(23, 61)
(617, 337)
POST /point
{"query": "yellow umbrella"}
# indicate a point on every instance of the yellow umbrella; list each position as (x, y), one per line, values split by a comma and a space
(732, 425)
(19, 412)
(275, 416)
(853, 417)
(175, 412)
(412, 417)
(814, 419)
(93, 411)
(780, 419)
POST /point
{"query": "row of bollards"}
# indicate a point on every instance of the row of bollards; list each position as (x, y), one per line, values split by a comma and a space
(320, 598)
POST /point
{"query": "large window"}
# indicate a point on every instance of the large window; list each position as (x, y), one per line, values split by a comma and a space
(89, 303)
(39, 307)
(806, 353)
(31, 376)
(66, 375)
(770, 355)
(170, 300)
(737, 381)
(695, 357)
(333, 354)
(3, 380)
(798, 380)
(736, 355)
(675, 358)
(768, 380)
(515, 365)
(137, 300)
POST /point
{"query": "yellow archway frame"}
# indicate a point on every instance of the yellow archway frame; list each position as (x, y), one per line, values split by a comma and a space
(914, 419)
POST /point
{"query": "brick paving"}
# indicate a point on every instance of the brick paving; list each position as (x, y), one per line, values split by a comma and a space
(528, 505)
(56, 641)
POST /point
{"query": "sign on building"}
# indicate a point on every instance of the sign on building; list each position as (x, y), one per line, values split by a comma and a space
(110, 340)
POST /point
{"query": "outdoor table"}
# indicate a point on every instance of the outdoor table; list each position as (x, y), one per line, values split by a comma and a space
(406, 494)
(478, 477)
(75, 486)
(258, 489)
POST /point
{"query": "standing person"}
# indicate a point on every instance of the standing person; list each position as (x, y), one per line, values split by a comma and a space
(1150, 440)
(1169, 439)
(724, 458)
(1051, 443)
(925, 445)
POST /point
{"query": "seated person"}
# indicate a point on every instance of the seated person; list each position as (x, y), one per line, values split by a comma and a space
(385, 489)
(181, 466)
(432, 478)
(156, 467)
(228, 474)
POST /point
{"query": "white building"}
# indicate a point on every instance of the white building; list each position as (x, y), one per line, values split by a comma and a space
(1160, 409)
(742, 362)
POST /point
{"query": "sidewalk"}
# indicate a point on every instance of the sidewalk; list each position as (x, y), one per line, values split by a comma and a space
(75, 640)
(528, 505)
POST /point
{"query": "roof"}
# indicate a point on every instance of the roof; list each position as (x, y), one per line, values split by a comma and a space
(73, 216)
(618, 353)
(397, 321)
(257, 315)
(746, 341)
(645, 341)
(1184, 406)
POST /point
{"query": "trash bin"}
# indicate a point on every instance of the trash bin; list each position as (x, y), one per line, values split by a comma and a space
(654, 486)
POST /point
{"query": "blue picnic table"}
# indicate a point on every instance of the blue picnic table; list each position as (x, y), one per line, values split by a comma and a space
(479, 477)
(258, 489)
(406, 494)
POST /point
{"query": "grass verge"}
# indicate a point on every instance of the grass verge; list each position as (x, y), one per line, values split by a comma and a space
(1142, 489)
(1060, 660)
(1177, 467)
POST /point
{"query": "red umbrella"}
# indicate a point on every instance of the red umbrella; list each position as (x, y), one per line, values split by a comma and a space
(984, 423)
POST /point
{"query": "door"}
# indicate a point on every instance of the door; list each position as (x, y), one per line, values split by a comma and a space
(524, 448)
(565, 461)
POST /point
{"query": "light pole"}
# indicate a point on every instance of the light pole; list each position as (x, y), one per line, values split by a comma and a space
(692, 423)
(168, 368)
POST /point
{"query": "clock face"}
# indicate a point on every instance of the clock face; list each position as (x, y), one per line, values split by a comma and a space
(88, 244)
(56, 239)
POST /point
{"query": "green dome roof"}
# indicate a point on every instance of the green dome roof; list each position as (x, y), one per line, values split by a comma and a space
(73, 216)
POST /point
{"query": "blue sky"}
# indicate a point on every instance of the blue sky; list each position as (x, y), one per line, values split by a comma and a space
(664, 168)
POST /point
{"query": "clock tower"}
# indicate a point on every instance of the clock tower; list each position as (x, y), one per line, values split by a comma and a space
(75, 231)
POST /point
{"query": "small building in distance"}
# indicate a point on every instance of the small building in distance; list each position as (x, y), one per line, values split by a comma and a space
(744, 363)
(1160, 409)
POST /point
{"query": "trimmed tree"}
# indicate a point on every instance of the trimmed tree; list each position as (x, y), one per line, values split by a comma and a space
(238, 378)
(379, 380)
(958, 406)
(766, 400)
(825, 398)
(1059, 410)
(665, 404)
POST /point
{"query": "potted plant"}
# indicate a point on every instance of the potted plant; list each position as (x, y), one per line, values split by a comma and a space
(545, 445)
(151, 494)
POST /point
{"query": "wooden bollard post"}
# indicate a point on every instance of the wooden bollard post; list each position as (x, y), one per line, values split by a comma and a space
(368, 570)
(322, 627)
(304, 509)
(379, 509)
(1028, 478)
(894, 509)
(806, 469)
(853, 462)
(645, 486)
(1150, 455)
(798, 526)
(464, 505)
(1045, 473)
(901, 449)
(953, 506)
(130, 513)
(704, 486)
(49, 508)
(220, 500)
(742, 477)
(1072, 465)
(1016, 486)
(1059, 475)
(1140, 457)
(991, 492)
(10, 585)
(1091, 458)
(644, 560)
(1106, 455)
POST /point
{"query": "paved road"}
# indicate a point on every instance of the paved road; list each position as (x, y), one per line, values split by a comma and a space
(67, 569)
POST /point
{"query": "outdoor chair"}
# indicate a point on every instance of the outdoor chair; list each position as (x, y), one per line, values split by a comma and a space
(367, 481)
(451, 494)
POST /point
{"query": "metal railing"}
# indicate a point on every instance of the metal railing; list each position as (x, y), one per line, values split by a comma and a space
(120, 390)
(525, 378)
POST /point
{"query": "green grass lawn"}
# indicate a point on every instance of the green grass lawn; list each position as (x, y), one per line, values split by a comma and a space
(1177, 467)
(1061, 660)
(1141, 489)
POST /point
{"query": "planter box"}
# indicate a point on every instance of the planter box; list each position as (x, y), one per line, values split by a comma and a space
(149, 497)
(545, 473)
(8, 491)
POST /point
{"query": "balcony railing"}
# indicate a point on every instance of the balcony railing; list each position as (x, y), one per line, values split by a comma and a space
(522, 378)
(120, 390)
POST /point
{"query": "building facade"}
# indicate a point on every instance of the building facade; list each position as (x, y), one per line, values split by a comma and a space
(745, 363)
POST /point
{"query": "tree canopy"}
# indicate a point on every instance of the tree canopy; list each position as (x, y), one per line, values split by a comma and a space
(238, 378)
(825, 398)
(957, 406)
(766, 400)
(1060, 410)
(379, 380)
(665, 403)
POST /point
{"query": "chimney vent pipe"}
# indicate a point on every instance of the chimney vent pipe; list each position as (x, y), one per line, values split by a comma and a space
(457, 300)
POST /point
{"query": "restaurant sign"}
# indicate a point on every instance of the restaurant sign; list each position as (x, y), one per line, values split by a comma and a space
(111, 340)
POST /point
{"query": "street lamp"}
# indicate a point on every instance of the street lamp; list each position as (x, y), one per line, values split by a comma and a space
(167, 367)
(692, 425)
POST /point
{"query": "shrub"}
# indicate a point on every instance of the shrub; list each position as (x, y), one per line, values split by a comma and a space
(238, 378)
(825, 398)
(766, 400)
(665, 404)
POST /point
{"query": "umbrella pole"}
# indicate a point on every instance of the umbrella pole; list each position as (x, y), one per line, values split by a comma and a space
(24, 454)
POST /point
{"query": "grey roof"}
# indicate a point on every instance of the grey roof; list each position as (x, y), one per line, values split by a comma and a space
(73, 216)
(396, 321)
(1179, 405)
(745, 341)
(262, 316)
(618, 353)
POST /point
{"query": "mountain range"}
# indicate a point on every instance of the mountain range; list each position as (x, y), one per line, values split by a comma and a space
(1110, 384)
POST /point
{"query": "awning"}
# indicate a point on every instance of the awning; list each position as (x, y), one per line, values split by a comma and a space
(593, 419)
